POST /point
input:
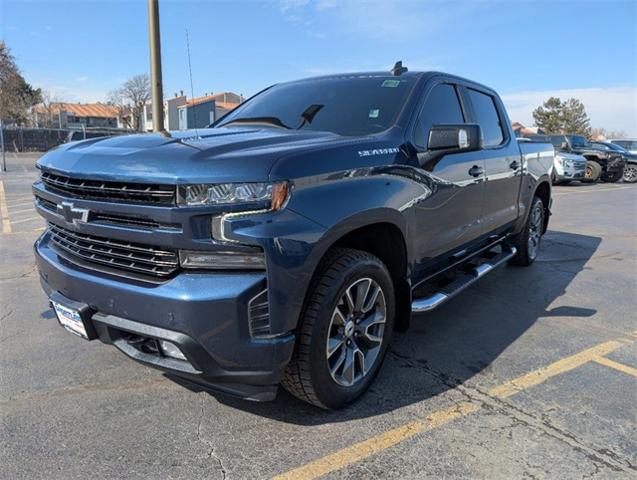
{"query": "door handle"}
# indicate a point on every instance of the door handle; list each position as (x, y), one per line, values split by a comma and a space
(514, 165)
(476, 171)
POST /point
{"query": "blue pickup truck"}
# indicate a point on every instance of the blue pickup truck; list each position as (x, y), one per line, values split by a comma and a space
(285, 243)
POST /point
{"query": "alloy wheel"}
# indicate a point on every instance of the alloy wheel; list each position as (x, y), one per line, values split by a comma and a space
(536, 224)
(630, 173)
(355, 334)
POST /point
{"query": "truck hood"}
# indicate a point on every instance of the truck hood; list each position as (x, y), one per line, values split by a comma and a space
(211, 155)
(570, 156)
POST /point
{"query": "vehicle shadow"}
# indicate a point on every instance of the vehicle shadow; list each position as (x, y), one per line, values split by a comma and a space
(448, 346)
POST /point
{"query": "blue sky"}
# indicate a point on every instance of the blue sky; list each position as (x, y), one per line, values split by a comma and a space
(526, 50)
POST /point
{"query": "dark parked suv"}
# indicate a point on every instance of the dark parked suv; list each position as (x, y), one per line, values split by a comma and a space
(286, 242)
(602, 163)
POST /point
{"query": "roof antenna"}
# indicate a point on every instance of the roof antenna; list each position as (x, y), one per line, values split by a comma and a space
(398, 68)
(192, 90)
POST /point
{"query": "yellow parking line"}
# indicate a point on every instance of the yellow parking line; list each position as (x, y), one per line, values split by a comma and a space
(4, 212)
(359, 451)
(616, 365)
(373, 445)
(561, 366)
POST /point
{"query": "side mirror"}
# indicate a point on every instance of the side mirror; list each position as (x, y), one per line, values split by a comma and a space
(564, 146)
(460, 138)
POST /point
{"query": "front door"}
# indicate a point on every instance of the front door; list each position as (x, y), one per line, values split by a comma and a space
(450, 216)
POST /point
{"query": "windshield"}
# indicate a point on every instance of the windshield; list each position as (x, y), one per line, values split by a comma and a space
(349, 105)
(579, 141)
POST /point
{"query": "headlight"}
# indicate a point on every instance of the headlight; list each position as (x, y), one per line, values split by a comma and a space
(222, 260)
(269, 196)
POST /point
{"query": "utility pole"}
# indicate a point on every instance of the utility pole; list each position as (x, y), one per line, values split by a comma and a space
(4, 159)
(157, 94)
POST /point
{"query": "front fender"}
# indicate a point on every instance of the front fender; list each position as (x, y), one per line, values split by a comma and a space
(317, 215)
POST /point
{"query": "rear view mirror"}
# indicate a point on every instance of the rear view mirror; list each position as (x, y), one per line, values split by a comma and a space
(462, 138)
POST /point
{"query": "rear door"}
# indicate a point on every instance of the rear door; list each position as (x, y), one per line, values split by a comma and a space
(501, 155)
(450, 217)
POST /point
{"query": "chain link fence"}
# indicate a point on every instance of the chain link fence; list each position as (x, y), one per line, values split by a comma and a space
(43, 139)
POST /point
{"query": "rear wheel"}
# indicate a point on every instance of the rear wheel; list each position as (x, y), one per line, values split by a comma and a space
(592, 172)
(630, 173)
(528, 242)
(344, 330)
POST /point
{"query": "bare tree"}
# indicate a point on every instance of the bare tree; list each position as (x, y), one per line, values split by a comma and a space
(134, 94)
(600, 133)
(49, 108)
(124, 111)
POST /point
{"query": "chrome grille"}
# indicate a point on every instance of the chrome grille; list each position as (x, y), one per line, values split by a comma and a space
(131, 221)
(101, 190)
(117, 254)
(112, 218)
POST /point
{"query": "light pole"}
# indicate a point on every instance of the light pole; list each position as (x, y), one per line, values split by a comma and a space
(4, 159)
(157, 95)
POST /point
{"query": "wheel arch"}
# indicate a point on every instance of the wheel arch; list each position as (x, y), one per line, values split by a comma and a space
(543, 192)
(386, 240)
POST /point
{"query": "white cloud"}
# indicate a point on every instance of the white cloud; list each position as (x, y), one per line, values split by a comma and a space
(83, 78)
(614, 108)
(389, 20)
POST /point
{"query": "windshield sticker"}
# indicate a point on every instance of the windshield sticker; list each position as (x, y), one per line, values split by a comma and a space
(374, 112)
(391, 83)
(377, 151)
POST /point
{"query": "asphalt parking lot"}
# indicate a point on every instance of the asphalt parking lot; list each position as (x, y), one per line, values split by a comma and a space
(531, 373)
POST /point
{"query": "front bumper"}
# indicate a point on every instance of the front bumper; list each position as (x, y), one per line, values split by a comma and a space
(204, 314)
(570, 171)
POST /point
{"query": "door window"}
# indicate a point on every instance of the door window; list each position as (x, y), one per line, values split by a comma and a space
(441, 107)
(487, 117)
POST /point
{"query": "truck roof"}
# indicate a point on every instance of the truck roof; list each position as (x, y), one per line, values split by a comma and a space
(386, 73)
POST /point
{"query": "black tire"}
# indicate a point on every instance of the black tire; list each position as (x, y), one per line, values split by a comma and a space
(526, 249)
(308, 376)
(612, 177)
(592, 172)
(630, 173)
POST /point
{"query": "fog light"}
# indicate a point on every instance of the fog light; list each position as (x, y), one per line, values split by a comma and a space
(171, 350)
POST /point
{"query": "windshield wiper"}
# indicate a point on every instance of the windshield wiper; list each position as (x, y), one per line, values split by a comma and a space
(274, 121)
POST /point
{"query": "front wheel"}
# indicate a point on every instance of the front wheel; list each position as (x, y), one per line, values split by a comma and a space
(528, 241)
(592, 172)
(344, 331)
(630, 173)
(612, 177)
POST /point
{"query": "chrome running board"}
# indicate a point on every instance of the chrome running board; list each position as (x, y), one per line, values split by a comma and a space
(454, 288)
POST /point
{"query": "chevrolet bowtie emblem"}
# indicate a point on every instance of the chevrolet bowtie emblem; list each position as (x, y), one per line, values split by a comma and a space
(72, 213)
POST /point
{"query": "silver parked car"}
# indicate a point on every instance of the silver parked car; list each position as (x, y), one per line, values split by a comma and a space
(568, 166)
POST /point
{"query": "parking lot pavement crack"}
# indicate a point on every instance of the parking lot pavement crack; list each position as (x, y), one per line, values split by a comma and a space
(6, 314)
(211, 452)
(28, 273)
(475, 395)
(597, 469)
